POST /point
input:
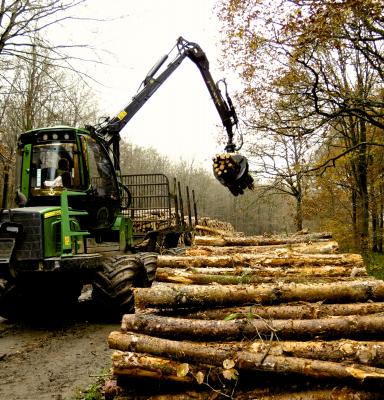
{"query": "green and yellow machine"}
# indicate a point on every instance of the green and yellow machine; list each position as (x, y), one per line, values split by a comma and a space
(74, 224)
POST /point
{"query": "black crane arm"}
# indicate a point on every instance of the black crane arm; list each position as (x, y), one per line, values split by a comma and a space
(234, 174)
(110, 130)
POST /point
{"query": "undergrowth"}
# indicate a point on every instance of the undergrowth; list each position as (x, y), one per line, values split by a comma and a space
(95, 390)
(374, 263)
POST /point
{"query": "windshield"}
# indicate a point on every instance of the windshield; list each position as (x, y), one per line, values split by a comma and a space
(53, 167)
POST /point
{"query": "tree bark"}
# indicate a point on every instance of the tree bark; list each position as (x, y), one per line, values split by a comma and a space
(249, 260)
(283, 311)
(195, 329)
(260, 240)
(242, 360)
(211, 231)
(304, 248)
(366, 353)
(233, 276)
(179, 296)
(259, 394)
(162, 368)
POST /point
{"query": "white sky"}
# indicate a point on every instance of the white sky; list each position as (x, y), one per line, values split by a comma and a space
(180, 119)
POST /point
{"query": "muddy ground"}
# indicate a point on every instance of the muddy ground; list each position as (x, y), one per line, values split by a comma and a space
(57, 358)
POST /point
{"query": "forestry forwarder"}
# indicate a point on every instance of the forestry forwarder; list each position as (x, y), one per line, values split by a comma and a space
(72, 225)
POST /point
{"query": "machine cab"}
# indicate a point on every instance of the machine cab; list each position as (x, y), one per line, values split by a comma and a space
(53, 159)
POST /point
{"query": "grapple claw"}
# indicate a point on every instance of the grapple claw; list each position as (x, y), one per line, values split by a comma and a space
(232, 171)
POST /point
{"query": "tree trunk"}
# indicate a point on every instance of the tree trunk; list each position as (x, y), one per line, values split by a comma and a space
(182, 328)
(260, 240)
(283, 311)
(211, 231)
(299, 205)
(362, 184)
(305, 248)
(141, 365)
(367, 353)
(233, 276)
(271, 260)
(259, 394)
(242, 360)
(375, 220)
(179, 296)
(355, 228)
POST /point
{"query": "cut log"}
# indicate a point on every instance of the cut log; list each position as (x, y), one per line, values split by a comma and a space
(309, 272)
(195, 329)
(361, 352)
(268, 260)
(242, 360)
(145, 366)
(325, 394)
(233, 276)
(141, 365)
(259, 240)
(367, 353)
(283, 311)
(169, 295)
(211, 231)
(330, 394)
(328, 247)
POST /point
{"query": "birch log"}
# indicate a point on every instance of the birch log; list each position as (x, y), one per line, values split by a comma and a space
(367, 353)
(234, 276)
(371, 326)
(319, 394)
(243, 360)
(304, 248)
(179, 296)
(268, 260)
(140, 365)
(259, 240)
(283, 311)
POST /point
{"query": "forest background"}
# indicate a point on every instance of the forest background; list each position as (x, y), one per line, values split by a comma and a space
(311, 105)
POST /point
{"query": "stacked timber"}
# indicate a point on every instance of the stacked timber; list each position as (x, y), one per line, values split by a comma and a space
(155, 219)
(211, 226)
(254, 319)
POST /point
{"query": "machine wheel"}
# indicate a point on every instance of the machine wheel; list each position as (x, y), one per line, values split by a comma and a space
(149, 261)
(112, 287)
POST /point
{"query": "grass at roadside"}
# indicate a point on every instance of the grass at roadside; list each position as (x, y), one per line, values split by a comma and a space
(95, 390)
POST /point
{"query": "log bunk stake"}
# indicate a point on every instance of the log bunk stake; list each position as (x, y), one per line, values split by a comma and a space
(238, 317)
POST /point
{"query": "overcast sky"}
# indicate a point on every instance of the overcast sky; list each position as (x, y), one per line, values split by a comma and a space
(180, 120)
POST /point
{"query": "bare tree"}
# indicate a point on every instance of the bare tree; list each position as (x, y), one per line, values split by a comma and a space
(22, 21)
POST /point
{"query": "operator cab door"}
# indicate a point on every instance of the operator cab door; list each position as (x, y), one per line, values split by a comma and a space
(103, 201)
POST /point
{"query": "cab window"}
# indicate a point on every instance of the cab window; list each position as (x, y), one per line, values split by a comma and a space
(54, 166)
(101, 171)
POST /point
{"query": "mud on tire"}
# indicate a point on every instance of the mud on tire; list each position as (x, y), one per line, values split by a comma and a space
(112, 287)
(149, 261)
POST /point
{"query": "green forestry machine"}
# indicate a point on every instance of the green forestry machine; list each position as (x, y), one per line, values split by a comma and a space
(74, 223)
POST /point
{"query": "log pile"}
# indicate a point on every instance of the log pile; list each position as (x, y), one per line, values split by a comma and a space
(261, 318)
(209, 226)
(150, 220)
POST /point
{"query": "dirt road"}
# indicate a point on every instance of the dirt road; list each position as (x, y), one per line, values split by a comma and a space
(53, 360)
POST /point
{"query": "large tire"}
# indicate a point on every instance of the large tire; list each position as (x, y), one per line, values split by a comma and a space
(112, 287)
(149, 261)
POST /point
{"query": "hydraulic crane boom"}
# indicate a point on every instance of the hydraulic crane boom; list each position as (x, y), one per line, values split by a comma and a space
(110, 130)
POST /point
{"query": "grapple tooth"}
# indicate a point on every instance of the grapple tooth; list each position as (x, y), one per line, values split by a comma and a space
(236, 177)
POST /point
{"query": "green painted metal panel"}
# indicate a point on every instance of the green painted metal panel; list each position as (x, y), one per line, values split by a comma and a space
(26, 165)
